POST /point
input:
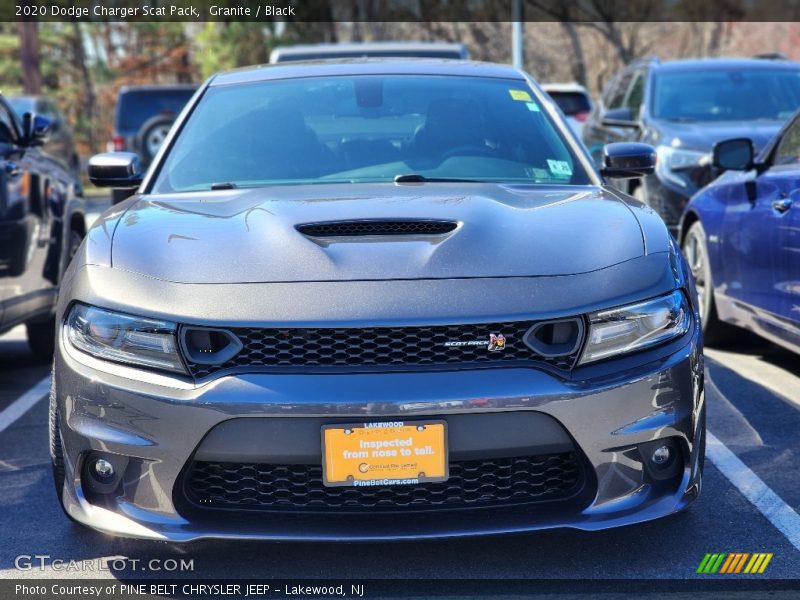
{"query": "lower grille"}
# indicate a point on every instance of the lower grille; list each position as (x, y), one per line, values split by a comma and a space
(474, 483)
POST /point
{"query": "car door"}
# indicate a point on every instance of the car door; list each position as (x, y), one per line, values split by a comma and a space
(784, 172)
(596, 133)
(761, 238)
(25, 226)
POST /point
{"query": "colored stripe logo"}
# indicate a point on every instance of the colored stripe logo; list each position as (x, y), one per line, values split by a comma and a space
(734, 562)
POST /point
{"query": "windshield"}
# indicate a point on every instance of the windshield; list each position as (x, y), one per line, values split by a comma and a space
(727, 95)
(359, 129)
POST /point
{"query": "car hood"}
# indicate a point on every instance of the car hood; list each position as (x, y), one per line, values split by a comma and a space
(248, 236)
(703, 136)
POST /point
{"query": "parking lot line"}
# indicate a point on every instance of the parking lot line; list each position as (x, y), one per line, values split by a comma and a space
(21, 405)
(760, 495)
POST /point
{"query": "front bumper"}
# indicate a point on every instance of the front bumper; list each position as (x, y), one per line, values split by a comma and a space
(158, 424)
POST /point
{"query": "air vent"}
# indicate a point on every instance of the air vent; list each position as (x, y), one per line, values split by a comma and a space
(552, 339)
(205, 346)
(376, 227)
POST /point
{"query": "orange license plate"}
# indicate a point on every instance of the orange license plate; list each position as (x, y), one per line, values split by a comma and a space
(384, 453)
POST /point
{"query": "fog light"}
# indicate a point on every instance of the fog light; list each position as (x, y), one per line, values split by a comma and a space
(661, 455)
(103, 469)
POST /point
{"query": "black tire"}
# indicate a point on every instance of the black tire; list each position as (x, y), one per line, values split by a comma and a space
(56, 449)
(42, 339)
(42, 334)
(715, 332)
(150, 137)
(702, 450)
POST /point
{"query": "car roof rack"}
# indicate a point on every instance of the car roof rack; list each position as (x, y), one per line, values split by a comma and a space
(771, 56)
(645, 60)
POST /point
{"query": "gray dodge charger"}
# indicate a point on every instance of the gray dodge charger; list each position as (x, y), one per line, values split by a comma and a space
(375, 300)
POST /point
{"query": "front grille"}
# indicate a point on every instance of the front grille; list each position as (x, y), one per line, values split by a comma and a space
(473, 483)
(368, 227)
(382, 348)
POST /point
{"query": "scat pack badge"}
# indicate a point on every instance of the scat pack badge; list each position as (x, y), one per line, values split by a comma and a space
(497, 342)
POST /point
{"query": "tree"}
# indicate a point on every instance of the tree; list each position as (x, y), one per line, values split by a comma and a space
(29, 56)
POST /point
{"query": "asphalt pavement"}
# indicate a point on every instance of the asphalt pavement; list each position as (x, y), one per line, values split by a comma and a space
(749, 503)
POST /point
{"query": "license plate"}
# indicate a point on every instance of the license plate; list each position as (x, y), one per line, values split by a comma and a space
(385, 453)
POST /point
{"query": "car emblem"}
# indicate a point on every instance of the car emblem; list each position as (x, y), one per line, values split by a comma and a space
(496, 342)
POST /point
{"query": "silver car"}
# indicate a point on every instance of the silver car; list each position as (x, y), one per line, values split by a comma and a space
(375, 300)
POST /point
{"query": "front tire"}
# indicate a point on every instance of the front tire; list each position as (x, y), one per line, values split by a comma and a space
(42, 339)
(42, 334)
(56, 448)
(695, 250)
(152, 135)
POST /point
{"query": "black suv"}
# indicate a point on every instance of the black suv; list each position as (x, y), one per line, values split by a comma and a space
(683, 108)
(144, 116)
(41, 226)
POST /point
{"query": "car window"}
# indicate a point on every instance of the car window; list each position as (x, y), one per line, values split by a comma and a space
(48, 109)
(616, 97)
(571, 103)
(21, 105)
(636, 95)
(788, 149)
(742, 94)
(358, 129)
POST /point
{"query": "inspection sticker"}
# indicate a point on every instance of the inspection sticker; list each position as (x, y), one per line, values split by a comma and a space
(559, 167)
(532, 106)
(520, 95)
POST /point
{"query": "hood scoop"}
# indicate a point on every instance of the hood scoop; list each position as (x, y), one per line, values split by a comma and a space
(371, 227)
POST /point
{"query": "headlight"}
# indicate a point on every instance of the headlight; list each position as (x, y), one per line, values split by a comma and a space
(124, 338)
(636, 327)
(676, 164)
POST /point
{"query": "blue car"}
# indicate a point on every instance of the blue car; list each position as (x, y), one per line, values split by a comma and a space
(741, 237)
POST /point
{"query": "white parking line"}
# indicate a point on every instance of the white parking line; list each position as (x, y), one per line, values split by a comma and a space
(760, 495)
(22, 404)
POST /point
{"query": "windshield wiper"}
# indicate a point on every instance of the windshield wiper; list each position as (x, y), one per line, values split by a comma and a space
(223, 185)
(417, 178)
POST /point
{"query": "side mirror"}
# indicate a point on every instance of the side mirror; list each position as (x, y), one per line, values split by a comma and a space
(35, 129)
(619, 117)
(115, 169)
(628, 160)
(734, 155)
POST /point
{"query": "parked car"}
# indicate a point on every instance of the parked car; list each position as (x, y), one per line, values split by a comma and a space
(373, 300)
(573, 100)
(60, 143)
(363, 50)
(41, 227)
(741, 236)
(683, 107)
(144, 115)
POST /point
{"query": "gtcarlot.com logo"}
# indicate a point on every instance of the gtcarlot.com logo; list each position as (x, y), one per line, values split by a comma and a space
(43, 562)
(734, 563)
